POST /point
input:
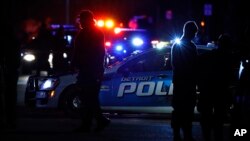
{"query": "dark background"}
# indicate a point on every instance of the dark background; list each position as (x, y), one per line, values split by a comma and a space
(229, 16)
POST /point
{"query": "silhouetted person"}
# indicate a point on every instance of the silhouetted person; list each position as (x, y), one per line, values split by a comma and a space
(88, 58)
(184, 55)
(215, 70)
(42, 46)
(241, 105)
(59, 48)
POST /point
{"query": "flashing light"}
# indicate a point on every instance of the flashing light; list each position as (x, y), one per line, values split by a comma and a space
(100, 23)
(177, 40)
(137, 41)
(119, 48)
(121, 24)
(109, 24)
(107, 44)
(133, 24)
(105, 23)
(124, 51)
(117, 30)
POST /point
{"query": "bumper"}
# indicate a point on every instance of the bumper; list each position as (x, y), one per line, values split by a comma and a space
(40, 99)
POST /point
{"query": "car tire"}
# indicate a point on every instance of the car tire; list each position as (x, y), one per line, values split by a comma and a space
(71, 102)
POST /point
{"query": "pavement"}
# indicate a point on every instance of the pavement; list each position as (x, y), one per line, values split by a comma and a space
(53, 125)
(47, 129)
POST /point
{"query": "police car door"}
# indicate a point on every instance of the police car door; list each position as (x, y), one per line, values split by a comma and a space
(144, 80)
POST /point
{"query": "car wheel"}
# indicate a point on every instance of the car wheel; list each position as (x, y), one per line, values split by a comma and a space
(72, 103)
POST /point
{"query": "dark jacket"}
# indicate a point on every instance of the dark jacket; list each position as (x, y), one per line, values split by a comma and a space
(89, 52)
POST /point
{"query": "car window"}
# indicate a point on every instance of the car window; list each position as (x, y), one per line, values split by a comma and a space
(153, 61)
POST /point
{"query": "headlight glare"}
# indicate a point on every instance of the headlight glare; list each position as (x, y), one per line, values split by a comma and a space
(29, 57)
(48, 84)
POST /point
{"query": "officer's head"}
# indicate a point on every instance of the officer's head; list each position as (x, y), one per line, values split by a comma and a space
(86, 18)
(190, 29)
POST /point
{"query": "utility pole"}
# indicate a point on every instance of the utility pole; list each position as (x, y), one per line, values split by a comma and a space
(67, 11)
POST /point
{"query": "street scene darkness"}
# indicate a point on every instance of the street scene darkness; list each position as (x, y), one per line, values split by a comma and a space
(118, 70)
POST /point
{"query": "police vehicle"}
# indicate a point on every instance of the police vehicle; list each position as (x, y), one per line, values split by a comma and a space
(122, 42)
(141, 83)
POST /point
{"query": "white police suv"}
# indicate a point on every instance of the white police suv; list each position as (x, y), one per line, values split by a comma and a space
(140, 83)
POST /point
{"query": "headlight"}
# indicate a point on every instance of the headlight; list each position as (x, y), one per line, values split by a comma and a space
(48, 84)
(29, 57)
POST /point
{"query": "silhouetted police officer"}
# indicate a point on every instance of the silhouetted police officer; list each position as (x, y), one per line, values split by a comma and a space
(88, 58)
(215, 71)
(183, 59)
